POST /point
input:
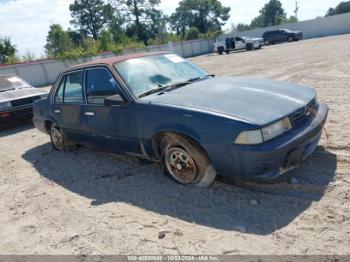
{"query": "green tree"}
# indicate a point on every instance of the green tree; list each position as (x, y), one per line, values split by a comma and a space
(242, 27)
(57, 41)
(256, 22)
(271, 14)
(330, 12)
(7, 50)
(192, 33)
(28, 56)
(90, 16)
(106, 41)
(76, 37)
(292, 19)
(341, 8)
(142, 17)
(206, 15)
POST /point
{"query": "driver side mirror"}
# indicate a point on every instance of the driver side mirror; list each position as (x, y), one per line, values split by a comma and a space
(114, 100)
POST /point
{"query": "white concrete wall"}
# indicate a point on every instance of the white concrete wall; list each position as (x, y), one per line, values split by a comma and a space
(326, 26)
(46, 72)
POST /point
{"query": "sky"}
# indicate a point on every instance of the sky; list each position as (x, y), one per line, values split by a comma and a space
(27, 22)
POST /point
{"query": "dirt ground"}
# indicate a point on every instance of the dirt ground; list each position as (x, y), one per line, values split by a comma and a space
(88, 202)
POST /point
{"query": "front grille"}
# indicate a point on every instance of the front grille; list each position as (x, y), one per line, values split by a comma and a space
(303, 115)
(24, 101)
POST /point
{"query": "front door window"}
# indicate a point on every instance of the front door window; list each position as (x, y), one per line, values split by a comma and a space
(99, 85)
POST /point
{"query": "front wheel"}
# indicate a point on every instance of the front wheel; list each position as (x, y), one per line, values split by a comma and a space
(59, 140)
(186, 162)
(221, 50)
(290, 39)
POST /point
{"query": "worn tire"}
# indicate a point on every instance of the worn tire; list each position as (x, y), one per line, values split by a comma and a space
(59, 140)
(249, 47)
(204, 174)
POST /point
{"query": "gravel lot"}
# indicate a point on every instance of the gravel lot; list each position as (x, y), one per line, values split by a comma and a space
(88, 202)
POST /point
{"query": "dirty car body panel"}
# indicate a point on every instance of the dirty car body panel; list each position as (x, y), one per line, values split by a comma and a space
(212, 111)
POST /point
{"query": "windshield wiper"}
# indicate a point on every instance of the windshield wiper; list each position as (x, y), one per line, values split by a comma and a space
(7, 89)
(187, 82)
(199, 77)
(153, 91)
(173, 86)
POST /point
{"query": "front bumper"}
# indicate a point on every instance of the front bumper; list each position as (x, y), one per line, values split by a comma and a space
(273, 158)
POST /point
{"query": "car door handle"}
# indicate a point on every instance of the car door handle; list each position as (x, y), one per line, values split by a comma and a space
(57, 111)
(89, 113)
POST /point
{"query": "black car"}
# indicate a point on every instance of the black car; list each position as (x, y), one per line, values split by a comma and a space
(16, 98)
(281, 35)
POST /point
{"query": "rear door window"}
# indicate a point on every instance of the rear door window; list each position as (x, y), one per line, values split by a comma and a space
(60, 90)
(70, 88)
(73, 90)
(99, 85)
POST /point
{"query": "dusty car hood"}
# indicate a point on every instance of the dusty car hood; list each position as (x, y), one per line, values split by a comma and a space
(20, 93)
(254, 100)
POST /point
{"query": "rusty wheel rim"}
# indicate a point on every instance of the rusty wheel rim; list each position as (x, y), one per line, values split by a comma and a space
(181, 165)
(57, 138)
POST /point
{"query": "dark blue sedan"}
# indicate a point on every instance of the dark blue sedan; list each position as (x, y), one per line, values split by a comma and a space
(161, 107)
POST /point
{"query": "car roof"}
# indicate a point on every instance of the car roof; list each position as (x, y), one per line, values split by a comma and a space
(112, 60)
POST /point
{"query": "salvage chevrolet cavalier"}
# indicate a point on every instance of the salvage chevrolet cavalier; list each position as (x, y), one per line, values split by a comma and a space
(164, 108)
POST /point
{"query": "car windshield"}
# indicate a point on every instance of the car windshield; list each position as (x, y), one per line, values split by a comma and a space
(10, 82)
(145, 74)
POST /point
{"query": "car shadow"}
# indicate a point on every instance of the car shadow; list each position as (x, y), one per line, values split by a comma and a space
(13, 127)
(261, 209)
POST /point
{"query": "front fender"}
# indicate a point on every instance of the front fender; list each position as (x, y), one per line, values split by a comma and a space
(201, 127)
(179, 129)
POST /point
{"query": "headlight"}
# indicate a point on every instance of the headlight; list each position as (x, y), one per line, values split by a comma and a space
(251, 137)
(254, 137)
(276, 129)
(5, 105)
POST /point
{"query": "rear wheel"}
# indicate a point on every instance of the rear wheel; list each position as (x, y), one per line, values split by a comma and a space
(290, 39)
(267, 42)
(59, 140)
(221, 50)
(186, 162)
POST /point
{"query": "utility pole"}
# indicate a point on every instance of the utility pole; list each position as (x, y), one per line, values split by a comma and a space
(296, 9)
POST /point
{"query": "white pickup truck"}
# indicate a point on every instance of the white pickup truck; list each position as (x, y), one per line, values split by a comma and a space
(238, 43)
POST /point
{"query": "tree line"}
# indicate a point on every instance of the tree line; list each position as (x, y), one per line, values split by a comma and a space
(117, 24)
(273, 14)
(113, 25)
